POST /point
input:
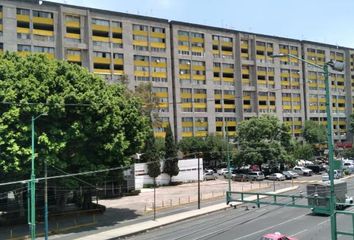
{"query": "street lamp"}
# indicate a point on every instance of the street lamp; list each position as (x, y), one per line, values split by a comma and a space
(33, 181)
(337, 66)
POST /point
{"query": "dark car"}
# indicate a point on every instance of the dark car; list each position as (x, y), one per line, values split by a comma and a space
(316, 169)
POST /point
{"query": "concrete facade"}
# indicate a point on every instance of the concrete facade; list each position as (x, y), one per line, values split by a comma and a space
(207, 79)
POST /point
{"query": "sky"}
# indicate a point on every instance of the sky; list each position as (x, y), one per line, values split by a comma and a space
(325, 21)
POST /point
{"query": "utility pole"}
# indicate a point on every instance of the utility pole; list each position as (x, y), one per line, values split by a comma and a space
(33, 187)
(337, 66)
(332, 201)
(198, 181)
(45, 201)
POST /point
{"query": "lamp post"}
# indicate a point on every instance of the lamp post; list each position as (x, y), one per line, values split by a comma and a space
(338, 66)
(33, 182)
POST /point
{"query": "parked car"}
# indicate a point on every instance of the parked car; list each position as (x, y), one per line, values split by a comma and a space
(303, 171)
(290, 174)
(208, 176)
(276, 177)
(316, 169)
(209, 171)
(276, 236)
(255, 176)
(336, 173)
(349, 166)
(222, 171)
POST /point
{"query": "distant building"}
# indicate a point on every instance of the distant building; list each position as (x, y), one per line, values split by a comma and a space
(207, 79)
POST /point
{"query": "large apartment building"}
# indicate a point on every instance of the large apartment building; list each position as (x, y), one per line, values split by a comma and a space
(207, 79)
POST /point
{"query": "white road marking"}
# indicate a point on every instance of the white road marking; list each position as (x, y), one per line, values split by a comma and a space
(299, 232)
(264, 229)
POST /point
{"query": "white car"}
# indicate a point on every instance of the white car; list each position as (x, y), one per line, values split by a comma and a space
(222, 171)
(303, 171)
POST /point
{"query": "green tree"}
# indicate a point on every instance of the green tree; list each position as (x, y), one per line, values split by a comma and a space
(264, 140)
(304, 151)
(97, 130)
(212, 148)
(351, 124)
(151, 155)
(171, 161)
(314, 133)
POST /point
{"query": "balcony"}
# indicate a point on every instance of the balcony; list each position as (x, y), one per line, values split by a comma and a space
(197, 40)
(101, 28)
(118, 61)
(117, 40)
(159, 74)
(187, 134)
(157, 45)
(199, 77)
(73, 24)
(158, 35)
(102, 71)
(197, 49)
(101, 60)
(140, 43)
(47, 21)
(141, 74)
(73, 35)
(23, 30)
(100, 39)
(183, 38)
(118, 72)
(141, 63)
(22, 18)
(116, 30)
(73, 58)
(201, 68)
(159, 134)
(201, 134)
(43, 32)
(140, 33)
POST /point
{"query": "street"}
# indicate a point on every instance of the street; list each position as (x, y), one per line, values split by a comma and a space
(251, 224)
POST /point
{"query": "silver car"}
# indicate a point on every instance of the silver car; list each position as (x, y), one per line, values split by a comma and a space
(290, 174)
(208, 176)
(276, 177)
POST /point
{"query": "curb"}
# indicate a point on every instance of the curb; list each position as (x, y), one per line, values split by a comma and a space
(148, 225)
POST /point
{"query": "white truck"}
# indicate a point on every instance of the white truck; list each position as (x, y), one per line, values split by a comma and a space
(318, 196)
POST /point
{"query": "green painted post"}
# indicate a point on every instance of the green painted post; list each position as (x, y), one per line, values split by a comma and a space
(33, 188)
(330, 154)
(228, 157)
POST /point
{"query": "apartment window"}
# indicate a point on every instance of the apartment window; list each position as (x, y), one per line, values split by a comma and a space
(183, 33)
(140, 27)
(21, 11)
(141, 58)
(157, 29)
(102, 54)
(197, 35)
(43, 49)
(158, 59)
(73, 52)
(23, 48)
(116, 24)
(118, 55)
(42, 14)
(100, 22)
(71, 18)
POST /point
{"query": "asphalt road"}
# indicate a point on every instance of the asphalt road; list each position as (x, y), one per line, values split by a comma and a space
(237, 224)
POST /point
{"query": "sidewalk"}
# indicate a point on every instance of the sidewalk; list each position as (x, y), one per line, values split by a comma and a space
(144, 226)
